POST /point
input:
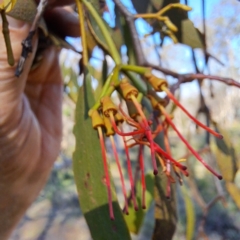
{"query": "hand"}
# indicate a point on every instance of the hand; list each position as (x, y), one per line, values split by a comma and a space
(30, 122)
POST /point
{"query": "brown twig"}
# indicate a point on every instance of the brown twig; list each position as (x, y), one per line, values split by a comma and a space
(201, 151)
(185, 78)
(204, 217)
(189, 77)
(27, 43)
(141, 60)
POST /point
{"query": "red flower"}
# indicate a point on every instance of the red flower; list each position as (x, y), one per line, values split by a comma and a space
(109, 118)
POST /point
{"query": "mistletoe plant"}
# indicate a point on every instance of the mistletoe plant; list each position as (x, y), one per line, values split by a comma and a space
(140, 109)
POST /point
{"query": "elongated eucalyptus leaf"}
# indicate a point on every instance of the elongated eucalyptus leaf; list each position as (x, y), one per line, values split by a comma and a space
(89, 174)
(234, 191)
(190, 213)
(97, 33)
(226, 163)
(129, 43)
(115, 34)
(135, 218)
(165, 209)
(223, 144)
(225, 156)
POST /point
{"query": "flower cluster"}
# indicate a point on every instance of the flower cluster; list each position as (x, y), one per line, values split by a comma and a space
(107, 119)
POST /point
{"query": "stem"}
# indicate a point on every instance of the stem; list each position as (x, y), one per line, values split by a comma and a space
(109, 86)
(148, 133)
(136, 69)
(112, 48)
(167, 156)
(7, 39)
(27, 43)
(82, 32)
(115, 128)
(137, 82)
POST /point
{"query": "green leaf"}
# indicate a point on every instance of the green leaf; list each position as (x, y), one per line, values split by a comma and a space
(190, 213)
(223, 144)
(225, 156)
(72, 91)
(135, 218)
(234, 191)
(102, 79)
(24, 10)
(88, 174)
(189, 35)
(128, 41)
(100, 39)
(165, 209)
(226, 163)
(91, 41)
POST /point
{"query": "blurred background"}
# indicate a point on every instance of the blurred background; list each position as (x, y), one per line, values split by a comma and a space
(212, 206)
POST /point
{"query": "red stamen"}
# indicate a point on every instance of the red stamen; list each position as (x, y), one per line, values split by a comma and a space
(171, 96)
(139, 109)
(120, 132)
(141, 164)
(167, 156)
(153, 158)
(129, 169)
(129, 120)
(185, 172)
(120, 172)
(105, 165)
(148, 133)
(157, 149)
(187, 144)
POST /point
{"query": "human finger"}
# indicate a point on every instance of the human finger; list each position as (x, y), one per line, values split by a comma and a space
(63, 22)
(11, 87)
